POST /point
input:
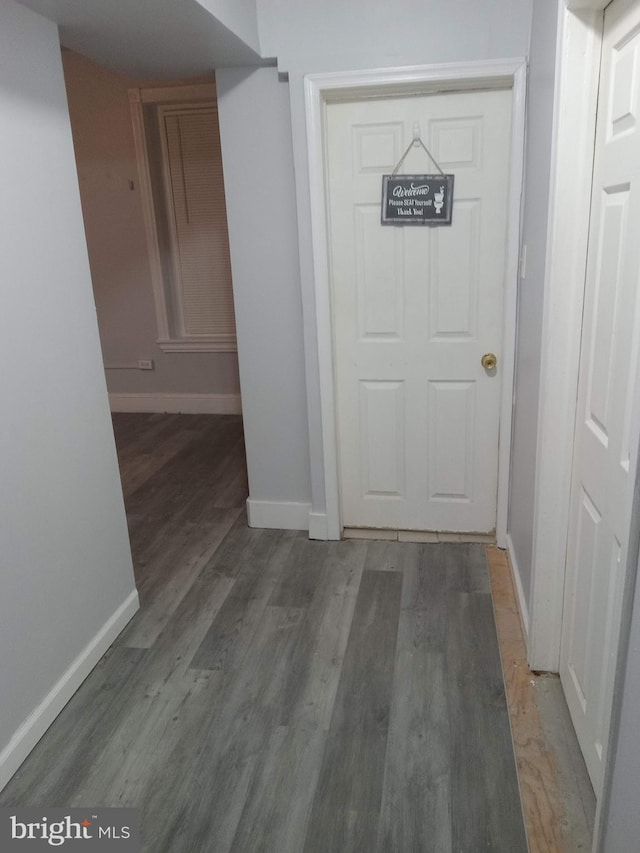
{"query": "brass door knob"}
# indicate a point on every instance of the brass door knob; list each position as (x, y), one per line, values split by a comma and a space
(489, 361)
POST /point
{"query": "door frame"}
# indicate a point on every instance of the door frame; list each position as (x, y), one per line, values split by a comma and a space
(323, 89)
(578, 49)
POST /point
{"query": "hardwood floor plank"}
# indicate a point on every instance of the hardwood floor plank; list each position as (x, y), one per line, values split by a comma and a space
(275, 694)
(162, 682)
(170, 578)
(209, 814)
(383, 556)
(423, 576)
(416, 800)
(140, 744)
(139, 466)
(57, 768)
(345, 808)
(415, 810)
(137, 434)
(485, 801)
(317, 662)
(211, 794)
(170, 773)
(233, 490)
(263, 562)
(169, 657)
(232, 631)
(424, 593)
(189, 477)
(301, 576)
(230, 556)
(279, 801)
(466, 567)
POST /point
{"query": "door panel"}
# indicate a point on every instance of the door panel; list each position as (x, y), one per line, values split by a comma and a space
(454, 276)
(607, 428)
(414, 309)
(380, 276)
(383, 431)
(451, 413)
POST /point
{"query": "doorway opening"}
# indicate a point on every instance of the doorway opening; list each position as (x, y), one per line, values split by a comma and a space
(165, 316)
(321, 92)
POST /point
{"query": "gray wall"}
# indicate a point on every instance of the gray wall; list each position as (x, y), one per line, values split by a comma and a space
(238, 16)
(114, 225)
(66, 565)
(337, 35)
(334, 35)
(255, 129)
(542, 61)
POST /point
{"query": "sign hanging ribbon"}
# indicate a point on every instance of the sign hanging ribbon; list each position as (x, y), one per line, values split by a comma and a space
(417, 199)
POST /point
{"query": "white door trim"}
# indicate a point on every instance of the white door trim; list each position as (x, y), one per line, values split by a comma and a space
(576, 93)
(320, 89)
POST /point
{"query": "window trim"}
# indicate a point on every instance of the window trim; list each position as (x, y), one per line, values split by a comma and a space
(167, 340)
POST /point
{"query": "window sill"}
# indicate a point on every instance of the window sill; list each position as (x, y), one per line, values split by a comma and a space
(222, 344)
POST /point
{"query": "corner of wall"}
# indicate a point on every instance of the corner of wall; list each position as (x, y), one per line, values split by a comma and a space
(279, 515)
(37, 723)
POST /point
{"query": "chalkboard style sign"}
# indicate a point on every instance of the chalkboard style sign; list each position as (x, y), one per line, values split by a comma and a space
(417, 199)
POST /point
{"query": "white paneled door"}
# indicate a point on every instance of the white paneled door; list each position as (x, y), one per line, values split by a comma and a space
(607, 428)
(414, 310)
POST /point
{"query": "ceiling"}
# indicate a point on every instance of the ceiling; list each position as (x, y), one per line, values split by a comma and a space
(147, 38)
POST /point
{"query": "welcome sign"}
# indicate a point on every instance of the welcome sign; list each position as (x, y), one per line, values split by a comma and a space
(417, 199)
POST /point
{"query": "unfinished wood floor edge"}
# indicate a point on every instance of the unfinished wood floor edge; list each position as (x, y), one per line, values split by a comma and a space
(536, 762)
(421, 537)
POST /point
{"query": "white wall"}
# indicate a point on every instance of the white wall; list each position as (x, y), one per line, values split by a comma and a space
(542, 60)
(255, 131)
(334, 35)
(66, 583)
(114, 225)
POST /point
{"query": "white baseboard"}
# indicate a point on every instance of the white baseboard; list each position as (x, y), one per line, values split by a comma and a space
(36, 724)
(188, 404)
(281, 515)
(517, 580)
(318, 527)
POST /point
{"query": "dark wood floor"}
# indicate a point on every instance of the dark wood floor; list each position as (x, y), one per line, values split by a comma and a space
(277, 694)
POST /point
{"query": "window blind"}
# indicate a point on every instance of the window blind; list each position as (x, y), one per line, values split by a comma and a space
(202, 264)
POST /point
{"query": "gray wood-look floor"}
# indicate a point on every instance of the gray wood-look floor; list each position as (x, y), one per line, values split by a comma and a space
(277, 694)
